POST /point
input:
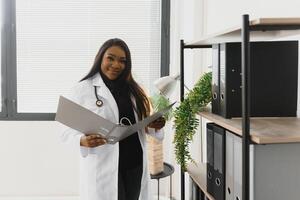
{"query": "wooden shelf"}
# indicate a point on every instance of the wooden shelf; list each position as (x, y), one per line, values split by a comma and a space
(234, 34)
(198, 173)
(262, 130)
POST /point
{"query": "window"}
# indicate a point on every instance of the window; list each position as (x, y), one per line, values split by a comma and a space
(2, 66)
(1, 25)
(56, 42)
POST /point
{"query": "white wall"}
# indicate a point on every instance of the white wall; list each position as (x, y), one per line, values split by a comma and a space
(223, 14)
(34, 162)
(185, 20)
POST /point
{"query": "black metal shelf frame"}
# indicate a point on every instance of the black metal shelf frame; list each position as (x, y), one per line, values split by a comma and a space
(182, 47)
(245, 35)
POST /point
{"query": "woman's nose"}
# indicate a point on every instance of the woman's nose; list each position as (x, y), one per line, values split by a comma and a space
(116, 64)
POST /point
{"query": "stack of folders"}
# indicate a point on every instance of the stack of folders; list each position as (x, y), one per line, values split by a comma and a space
(272, 63)
(216, 161)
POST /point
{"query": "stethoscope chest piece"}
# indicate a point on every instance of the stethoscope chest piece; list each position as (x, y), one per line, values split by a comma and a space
(99, 102)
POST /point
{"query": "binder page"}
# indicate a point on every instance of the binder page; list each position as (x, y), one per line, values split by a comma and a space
(81, 119)
(121, 132)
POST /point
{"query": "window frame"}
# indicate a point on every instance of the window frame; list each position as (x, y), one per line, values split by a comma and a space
(9, 64)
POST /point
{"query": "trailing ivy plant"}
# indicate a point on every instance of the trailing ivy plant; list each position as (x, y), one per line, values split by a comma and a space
(186, 122)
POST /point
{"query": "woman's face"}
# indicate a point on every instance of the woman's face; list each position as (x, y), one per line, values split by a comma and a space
(113, 62)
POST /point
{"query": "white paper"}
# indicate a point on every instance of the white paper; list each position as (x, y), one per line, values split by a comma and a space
(83, 120)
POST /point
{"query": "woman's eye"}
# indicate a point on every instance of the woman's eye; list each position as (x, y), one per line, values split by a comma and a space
(123, 61)
(110, 58)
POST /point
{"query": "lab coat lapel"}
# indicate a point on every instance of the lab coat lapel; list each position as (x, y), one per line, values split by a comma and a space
(104, 92)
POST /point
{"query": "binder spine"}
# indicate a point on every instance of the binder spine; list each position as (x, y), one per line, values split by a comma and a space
(222, 77)
(237, 160)
(229, 187)
(215, 79)
(210, 158)
(230, 80)
(219, 163)
(233, 174)
(216, 161)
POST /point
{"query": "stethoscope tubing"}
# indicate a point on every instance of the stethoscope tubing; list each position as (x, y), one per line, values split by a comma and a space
(99, 103)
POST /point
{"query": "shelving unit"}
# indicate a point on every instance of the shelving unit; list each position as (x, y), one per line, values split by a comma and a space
(264, 130)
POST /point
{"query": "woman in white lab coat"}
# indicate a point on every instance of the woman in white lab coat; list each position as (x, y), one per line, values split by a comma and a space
(119, 171)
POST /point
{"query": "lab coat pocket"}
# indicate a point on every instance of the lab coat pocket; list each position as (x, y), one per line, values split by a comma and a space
(88, 173)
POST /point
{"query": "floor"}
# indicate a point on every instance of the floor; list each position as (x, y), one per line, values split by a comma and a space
(162, 198)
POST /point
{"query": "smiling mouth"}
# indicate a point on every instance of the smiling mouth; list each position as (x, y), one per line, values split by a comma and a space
(114, 72)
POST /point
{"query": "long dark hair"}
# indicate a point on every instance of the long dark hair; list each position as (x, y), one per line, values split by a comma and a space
(142, 101)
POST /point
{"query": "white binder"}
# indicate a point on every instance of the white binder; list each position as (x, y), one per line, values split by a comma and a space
(233, 167)
(229, 186)
(83, 120)
(237, 160)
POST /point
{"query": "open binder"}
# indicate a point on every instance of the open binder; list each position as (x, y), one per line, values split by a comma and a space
(83, 120)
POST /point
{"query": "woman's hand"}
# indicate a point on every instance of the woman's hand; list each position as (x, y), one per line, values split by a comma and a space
(92, 140)
(158, 123)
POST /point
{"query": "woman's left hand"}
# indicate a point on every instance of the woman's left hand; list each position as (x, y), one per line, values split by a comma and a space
(158, 123)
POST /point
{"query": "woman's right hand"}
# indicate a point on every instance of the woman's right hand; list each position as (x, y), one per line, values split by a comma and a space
(92, 140)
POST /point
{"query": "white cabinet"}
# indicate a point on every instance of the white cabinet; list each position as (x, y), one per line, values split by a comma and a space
(275, 171)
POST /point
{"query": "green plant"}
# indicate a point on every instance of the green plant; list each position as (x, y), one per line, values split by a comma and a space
(186, 122)
(160, 102)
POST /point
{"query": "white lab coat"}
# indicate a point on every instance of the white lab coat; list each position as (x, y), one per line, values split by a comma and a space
(99, 165)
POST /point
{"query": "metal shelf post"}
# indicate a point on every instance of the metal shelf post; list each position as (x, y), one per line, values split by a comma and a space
(182, 47)
(245, 106)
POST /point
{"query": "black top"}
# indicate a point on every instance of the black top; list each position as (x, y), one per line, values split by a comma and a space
(130, 150)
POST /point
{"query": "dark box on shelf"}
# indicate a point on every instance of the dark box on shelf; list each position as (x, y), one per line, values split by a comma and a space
(273, 79)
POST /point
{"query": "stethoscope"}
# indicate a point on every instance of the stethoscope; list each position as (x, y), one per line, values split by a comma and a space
(99, 102)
